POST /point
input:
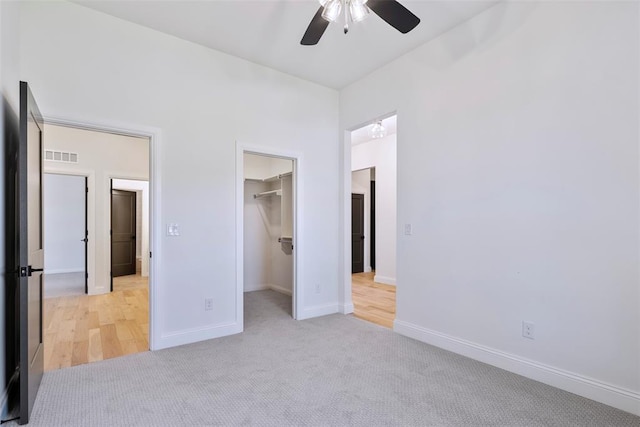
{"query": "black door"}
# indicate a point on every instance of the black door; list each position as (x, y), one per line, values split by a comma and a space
(372, 232)
(86, 236)
(123, 233)
(30, 251)
(357, 233)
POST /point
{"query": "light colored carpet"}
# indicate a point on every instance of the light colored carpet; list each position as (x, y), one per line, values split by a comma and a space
(334, 370)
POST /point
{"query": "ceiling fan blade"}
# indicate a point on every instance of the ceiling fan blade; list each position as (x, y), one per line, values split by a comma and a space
(395, 14)
(315, 30)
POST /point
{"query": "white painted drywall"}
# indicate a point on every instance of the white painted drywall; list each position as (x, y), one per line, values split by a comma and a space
(142, 221)
(64, 197)
(202, 103)
(518, 169)
(381, 154)
(361, 184)
(268, 264)
(101, 157)
(9, 107)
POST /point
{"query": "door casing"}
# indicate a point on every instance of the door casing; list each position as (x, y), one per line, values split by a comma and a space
(298, 248)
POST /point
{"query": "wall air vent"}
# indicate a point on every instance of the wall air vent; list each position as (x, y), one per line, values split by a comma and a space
(60, 156)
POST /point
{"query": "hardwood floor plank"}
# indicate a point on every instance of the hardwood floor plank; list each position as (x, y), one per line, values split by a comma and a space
(80, 353)
(95, 346)
(111, 346)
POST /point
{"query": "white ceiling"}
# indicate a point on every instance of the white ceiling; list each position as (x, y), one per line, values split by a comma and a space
(268, 32)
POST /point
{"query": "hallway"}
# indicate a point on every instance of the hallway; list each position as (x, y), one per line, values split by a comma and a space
(88, 328)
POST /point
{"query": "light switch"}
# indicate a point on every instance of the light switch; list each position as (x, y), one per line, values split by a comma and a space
(173, 230)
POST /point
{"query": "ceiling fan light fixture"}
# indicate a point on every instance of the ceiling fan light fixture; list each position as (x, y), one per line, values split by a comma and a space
(358, 10)
(377, 130)
(332, 9)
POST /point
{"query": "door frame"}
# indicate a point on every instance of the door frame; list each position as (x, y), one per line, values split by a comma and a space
(345, 300)
(154, 136)
(298, 248)
(111, 176)
(89, 180)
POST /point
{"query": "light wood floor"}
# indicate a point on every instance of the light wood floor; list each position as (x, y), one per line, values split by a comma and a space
(87, 328)
(374, 302)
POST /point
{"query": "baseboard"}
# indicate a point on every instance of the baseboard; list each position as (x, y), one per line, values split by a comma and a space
(281, 289)
(626, 400)
(255, 287)
(346, 308)
(317, 311)
(385, 280)
(190, 336)
(367, 270)
(63, 270)
(7, 392)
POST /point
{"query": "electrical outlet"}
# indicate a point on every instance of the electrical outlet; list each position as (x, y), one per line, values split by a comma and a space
(208, 304)
(407, 229)
(317, 288)
(528, 330)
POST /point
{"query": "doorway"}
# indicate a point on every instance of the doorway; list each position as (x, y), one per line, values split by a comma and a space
(373, 221)
(123, 233)
(65, 234)
(104, 323)
(267, 203)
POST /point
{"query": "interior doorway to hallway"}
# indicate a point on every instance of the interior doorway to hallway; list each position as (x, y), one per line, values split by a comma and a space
(373, 221)
(103, 322)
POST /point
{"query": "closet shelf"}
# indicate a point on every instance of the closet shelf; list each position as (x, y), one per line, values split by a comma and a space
(285, 239)
(268, 194)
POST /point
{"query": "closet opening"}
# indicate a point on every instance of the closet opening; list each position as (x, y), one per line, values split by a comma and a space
(268, 231)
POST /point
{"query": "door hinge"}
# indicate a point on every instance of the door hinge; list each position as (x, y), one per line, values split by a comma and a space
(150, 254)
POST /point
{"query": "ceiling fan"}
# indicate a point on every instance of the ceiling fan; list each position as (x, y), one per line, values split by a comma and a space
(395, 14)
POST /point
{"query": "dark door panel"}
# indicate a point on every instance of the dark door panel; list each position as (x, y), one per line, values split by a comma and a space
(357, 233)
(30, 247)
(123, 233)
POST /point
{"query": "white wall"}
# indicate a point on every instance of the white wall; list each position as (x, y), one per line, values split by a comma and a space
(201, 103)
(142, 218)
(64, 221)
(361, 184)
(101, 157)
(381, 155)
(9, 107)
(518, 168)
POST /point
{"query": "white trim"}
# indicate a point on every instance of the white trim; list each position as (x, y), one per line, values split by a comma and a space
(64, 270)
(155, 140)
(346, 308)
(298, 253)
(255, 287)
(281, 290)
(626, 400)
(189, 336)
(318, 310)
(386, 280)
